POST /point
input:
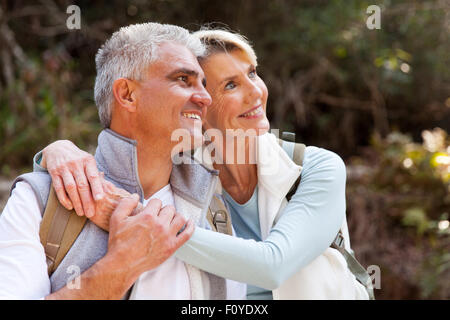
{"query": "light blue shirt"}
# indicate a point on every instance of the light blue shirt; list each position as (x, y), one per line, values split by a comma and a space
(306, 227)
(245, 219)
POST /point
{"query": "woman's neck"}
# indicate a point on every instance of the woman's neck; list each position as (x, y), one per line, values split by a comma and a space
(237, 169)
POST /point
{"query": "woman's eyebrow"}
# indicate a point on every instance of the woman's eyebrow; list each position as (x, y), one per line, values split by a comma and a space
(250, 68)
(228, 79)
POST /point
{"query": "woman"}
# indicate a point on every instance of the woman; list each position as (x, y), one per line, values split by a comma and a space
(267, 258)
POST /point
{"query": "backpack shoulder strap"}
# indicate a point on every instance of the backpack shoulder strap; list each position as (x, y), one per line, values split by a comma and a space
(59, 227)
(297, 152)
(59, 230)
(353, 265)
(219, 217)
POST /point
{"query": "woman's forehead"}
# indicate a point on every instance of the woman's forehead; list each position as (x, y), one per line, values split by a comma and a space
(222, 65)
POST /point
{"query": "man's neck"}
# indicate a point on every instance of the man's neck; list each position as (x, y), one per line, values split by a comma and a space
(154, 170)
(153, 157)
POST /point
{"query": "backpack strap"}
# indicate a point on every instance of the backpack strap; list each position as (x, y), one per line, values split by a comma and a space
(59, 227)
(297, 153)
(59, 230)
(219, 217)
(353, 265)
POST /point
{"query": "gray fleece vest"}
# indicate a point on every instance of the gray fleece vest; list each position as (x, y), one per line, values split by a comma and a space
(116, 156)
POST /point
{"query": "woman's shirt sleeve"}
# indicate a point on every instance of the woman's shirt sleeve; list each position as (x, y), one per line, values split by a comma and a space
(306, 227)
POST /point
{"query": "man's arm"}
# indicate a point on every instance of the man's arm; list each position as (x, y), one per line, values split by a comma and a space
(103, 281)
(23, 269)
(136, 244)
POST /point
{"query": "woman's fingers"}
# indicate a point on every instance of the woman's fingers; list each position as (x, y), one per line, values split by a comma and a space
(185, 235)
(95, 179)
(167, 213)
(61, 192)
(177, 223)
(72, 191)
(84, 192)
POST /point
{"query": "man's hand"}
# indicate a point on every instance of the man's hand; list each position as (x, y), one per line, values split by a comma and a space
(75, 176)
(143, 241)
(137, 243)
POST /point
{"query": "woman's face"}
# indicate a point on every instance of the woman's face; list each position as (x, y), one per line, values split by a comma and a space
(239, 96)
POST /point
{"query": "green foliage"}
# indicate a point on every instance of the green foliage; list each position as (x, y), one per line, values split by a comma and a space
(40, 108)
(411, 181)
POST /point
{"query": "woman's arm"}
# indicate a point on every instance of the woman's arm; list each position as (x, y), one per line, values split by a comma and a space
(75, 177)
(305, 229)
(76, 180)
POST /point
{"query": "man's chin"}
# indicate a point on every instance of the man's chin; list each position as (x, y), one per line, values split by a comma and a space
(194, 140)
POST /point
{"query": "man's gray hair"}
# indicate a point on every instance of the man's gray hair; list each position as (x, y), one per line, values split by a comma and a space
(128, 53)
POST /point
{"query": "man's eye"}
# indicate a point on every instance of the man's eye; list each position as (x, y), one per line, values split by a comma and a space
(230, 85)
(183, 78)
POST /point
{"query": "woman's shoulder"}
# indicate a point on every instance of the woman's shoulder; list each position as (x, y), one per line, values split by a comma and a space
(320, 158)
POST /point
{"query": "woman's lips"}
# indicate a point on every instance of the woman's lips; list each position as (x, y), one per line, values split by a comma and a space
(253, 113)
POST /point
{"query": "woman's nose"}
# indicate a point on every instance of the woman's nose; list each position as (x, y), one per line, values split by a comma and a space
(255, 91)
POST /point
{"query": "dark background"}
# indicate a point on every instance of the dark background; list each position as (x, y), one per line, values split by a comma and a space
(378, 98)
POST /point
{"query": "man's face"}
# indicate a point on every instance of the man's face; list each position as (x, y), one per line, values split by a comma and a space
(173, 95)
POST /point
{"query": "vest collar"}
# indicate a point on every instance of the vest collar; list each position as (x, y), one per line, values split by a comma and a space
(276, 171)
(116, 156)
(276, 175)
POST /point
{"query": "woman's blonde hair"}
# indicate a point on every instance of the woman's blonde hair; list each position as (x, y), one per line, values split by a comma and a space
(220, 40)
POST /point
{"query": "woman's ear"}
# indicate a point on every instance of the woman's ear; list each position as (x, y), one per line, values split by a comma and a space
(125, 93)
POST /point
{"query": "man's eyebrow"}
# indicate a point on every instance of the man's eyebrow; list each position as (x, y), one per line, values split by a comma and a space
(189, 72)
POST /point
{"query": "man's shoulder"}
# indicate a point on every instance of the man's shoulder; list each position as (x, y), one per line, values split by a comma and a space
(39, 182)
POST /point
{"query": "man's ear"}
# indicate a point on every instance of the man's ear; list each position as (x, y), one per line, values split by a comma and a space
(124, 91)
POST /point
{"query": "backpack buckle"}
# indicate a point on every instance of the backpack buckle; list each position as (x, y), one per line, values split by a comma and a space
(339, 240)
(219, 217)
(220, 221)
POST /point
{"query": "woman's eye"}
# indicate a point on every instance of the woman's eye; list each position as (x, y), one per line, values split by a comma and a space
(183, 78)
(252, 74)
(230, 85)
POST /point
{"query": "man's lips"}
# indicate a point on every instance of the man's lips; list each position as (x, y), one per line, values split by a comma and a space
(192, 114)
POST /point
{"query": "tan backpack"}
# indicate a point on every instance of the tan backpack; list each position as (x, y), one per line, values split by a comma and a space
(60, 227)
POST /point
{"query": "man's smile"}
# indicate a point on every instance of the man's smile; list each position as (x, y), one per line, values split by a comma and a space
(192, 114)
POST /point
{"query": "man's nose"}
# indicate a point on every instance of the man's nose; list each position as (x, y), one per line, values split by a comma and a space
(202, 98)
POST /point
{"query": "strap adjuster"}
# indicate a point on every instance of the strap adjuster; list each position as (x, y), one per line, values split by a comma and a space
(219, 217)
(339, 240)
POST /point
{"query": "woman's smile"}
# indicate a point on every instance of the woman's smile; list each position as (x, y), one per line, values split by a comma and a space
(253, 113)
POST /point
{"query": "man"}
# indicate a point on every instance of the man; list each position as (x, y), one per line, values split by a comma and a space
(148, 84)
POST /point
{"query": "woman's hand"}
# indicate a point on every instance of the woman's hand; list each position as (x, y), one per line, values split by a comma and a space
(104, 208)
(76, 179)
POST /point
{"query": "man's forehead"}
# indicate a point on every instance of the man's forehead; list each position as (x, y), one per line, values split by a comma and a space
(172, 56)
